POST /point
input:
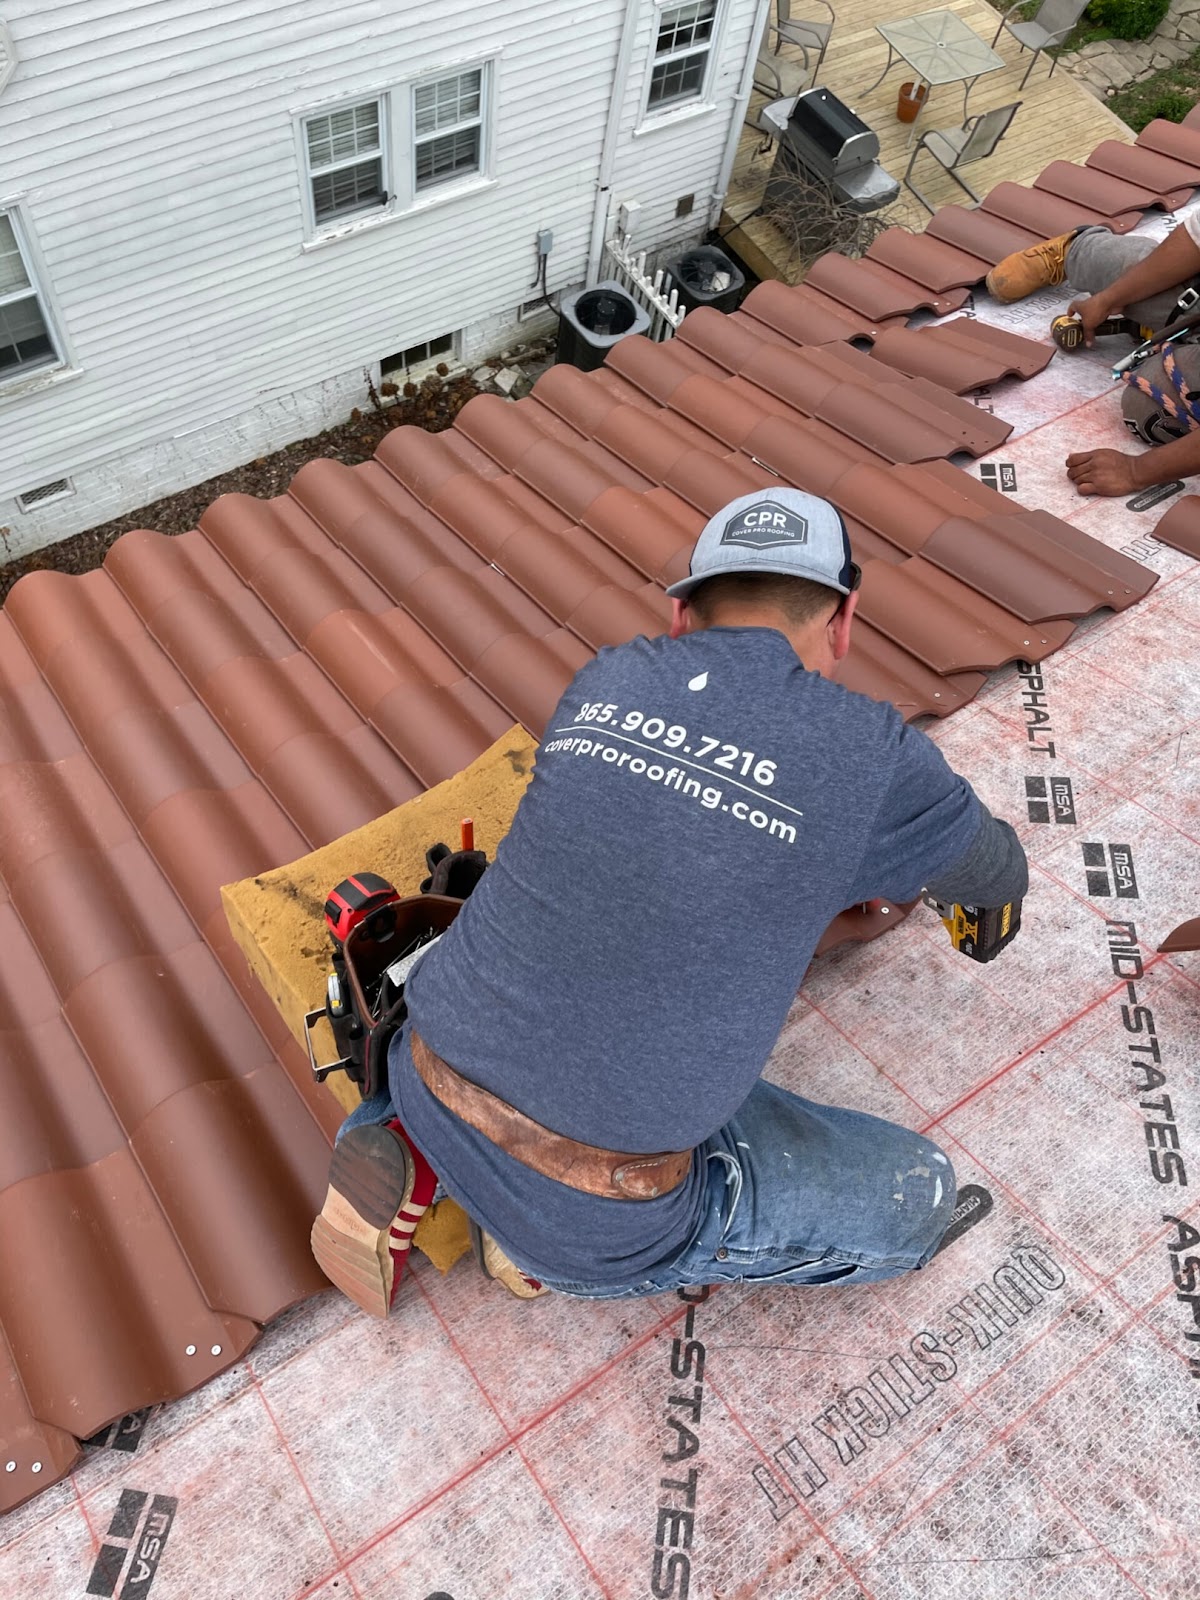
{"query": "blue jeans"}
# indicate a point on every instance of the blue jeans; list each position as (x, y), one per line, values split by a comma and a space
(795, 1192)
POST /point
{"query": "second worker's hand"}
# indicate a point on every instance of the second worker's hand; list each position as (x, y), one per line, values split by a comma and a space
(1107, 472)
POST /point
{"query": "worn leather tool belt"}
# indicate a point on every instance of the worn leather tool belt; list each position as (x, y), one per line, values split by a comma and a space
(606, 1173)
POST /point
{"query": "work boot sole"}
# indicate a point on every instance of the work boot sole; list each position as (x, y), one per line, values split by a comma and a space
(371, 1179)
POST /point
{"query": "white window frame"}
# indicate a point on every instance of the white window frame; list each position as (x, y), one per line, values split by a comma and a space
(311, 174)
(39, 293)
(700, 101)
(426, 363)
(400, 143)
(481, 121)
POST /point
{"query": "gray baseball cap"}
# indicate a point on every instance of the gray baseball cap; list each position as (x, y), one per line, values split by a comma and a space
(774, 530)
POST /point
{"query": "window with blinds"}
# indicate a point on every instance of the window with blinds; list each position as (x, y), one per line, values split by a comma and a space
(447, 128)
(422, 141)
(681, 54)
(345, 154)
(26, 338)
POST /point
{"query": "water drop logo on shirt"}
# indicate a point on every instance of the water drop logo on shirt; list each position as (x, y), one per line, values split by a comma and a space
(698, 683)
(765, 525)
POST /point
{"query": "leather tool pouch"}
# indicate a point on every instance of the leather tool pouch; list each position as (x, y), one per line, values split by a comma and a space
(371, 967)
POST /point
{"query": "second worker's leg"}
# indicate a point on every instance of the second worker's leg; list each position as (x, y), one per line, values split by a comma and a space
(1086, 260)
(1096, 258)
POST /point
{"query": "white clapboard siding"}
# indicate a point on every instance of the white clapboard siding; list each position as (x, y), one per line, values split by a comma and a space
(151, 147)
(662, 160)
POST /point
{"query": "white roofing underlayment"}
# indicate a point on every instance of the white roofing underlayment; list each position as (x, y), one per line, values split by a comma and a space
(1017, 1422)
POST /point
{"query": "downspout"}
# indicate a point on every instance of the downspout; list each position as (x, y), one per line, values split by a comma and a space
(612, 135)
(739, 112)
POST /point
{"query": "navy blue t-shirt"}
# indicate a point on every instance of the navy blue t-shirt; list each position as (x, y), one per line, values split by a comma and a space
(700, 810)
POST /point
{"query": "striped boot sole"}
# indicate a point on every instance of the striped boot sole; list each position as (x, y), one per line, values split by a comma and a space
(366, 1217)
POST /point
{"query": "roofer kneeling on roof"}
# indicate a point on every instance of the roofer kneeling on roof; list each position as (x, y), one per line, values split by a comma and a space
(582, 1063)
(1128, 284)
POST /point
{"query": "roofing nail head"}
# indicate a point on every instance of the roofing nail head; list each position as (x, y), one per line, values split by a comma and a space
(216, 1350)
(10, 1466)
(190, 1351)
(36, 1467)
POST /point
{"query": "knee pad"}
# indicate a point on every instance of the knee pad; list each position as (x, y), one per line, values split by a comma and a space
(1147, 421)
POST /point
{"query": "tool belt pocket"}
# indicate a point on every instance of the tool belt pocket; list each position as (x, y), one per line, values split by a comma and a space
(364, 1001)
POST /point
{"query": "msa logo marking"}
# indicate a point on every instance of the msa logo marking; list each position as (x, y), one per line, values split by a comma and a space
(1001, 475)
(1100, 882)
(124, 1434)
(134, 1545)
(1050, 800)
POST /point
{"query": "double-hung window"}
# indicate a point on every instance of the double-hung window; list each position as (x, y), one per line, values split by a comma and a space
(447, 128)
(345, 161)
(682, 50)
(392, 152)
(26, 333)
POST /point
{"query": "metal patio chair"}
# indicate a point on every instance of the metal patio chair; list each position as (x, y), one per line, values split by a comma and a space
(1044, 31)
(808, 37)
(777, 79)
(953, 148)
(775, 76)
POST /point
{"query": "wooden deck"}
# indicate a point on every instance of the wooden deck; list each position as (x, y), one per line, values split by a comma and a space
(1058, 119)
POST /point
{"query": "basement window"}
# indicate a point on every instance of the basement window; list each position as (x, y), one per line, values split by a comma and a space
(418, 355)
(60, 489)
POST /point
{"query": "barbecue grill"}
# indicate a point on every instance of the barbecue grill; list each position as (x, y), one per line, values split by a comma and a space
(826, 145)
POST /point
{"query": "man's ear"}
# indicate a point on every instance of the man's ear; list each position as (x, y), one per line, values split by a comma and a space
(839, 626)
(681, 619)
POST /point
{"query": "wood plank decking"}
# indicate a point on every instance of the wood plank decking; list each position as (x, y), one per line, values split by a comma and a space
(1058, 120)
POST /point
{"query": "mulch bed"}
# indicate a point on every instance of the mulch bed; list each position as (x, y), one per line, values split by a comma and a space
(432, 405)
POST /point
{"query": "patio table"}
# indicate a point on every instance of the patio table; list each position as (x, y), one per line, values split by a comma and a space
(940, 48)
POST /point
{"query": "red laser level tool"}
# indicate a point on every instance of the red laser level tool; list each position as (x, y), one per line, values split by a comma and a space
(980, 932)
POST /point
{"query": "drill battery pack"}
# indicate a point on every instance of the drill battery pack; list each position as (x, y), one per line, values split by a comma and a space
(980, 932)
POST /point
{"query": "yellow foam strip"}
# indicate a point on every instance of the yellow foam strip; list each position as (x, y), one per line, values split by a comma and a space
(278, 918)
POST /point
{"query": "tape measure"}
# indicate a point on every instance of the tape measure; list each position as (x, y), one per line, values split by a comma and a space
(1067, 330)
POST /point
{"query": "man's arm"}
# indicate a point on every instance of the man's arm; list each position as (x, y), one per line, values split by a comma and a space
(993, 872)
(933, 832)
(1116, 472)
(1174, 261)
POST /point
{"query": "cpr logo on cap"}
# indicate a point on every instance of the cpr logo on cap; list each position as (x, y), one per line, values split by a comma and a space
(765, 525)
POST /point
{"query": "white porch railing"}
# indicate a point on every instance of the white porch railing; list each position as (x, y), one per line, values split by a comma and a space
(656, 295)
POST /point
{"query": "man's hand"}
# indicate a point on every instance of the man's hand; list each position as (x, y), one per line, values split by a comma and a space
(1091, 309)
(1103, 472)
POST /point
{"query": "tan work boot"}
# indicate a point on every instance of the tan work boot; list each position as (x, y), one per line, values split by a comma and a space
(494, 1264)
(1026, 271)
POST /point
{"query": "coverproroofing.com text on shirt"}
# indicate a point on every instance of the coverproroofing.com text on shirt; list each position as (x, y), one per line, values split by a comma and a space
(674, 777)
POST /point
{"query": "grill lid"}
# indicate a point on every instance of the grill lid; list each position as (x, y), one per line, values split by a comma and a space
(830, 133)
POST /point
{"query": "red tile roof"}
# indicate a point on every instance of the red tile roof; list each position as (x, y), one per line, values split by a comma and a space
(207, 707)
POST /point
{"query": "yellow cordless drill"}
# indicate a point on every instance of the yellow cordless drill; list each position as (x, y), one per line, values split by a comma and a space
(980, 932)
